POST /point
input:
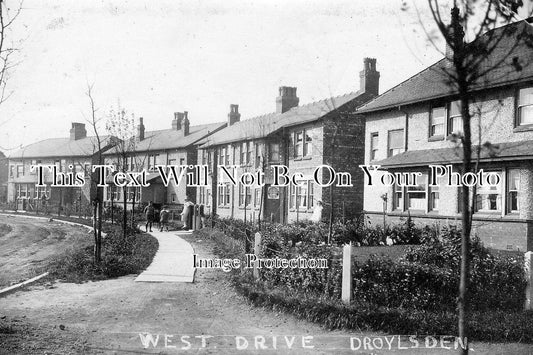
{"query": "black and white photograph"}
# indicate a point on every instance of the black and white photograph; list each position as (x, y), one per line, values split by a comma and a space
(266, 177)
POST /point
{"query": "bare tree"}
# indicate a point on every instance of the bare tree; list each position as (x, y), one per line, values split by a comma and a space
(7, 47)
(96, 192)
(121, 124)
(470, 63)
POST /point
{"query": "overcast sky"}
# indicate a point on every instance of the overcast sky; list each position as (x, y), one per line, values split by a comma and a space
(159, 57)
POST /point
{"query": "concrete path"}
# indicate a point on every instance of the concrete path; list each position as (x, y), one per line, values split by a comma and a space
(173, 261)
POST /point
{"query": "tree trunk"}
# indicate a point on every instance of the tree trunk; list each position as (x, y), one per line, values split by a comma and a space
(125, 213)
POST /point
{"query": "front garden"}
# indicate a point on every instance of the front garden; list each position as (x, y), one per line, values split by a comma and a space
(406, 287)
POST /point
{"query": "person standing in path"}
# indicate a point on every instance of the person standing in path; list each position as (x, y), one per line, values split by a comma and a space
(186, 215)
(149, 212)
(317, 212)
(163, 218)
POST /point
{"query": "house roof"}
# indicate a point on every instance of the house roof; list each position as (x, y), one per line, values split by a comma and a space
(59, 147)
(489, 153)
(153, 140)
(262, 126)
(433, 82)
(174, 139)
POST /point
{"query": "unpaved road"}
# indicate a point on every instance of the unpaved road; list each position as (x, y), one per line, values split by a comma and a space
(116, 316)
(27, 244)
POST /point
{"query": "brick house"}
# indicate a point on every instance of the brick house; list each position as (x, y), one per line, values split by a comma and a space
(70, 154)
(413, 125)
(173, 146)
(325, 132)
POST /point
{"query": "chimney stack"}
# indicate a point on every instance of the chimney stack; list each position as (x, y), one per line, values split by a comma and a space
(287, 99)
(186, 124)
(456, 34)
(176, 122)
(369, 77)
(140, 129)
(77, 131)
(233, 115)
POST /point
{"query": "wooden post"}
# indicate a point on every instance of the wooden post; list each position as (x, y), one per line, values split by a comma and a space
(346, 294)
(257, 252)
(528, 257)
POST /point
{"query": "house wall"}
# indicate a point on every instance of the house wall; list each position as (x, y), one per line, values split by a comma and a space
(493, 121)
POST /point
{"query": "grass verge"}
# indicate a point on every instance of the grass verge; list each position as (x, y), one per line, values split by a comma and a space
(119, 257)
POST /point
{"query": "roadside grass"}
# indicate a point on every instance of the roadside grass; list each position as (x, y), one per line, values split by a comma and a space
(120, 257)
(489, 325)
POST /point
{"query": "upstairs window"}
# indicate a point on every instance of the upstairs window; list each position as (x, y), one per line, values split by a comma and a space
(455, 119)
(395, 142)
(437, 121)
(525, 107)
(274, 155)
(298, 144)
(374, 141)
(303, 144)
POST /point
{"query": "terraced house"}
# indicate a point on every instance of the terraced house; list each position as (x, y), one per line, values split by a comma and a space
(70, 154)
(77, 153)
(172, 146)
(300, 137)
(413, 125)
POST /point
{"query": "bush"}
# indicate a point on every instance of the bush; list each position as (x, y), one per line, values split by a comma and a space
(432, 269)
(119, 257)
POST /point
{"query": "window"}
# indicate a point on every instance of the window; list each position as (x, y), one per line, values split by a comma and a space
(455, 119)
(23, 191)
(416, 195)
(513, 187)
(525, 107)
(301, 196)
(132, 163)
(395, 142)
(274, 155)
(298, 144)
(224, 194)
(308, 144)
(397, 197)
(12, 171)
(171, 162)
(245, 195)
(228, 149)
(437, 122)
(173, 198)
(257, 197)
(42, 192)
(243, 153)
(248, 152)
(153, 160)
(489, 198)
(374, 141)
(257, 155)
(20, 170)
(434, 198)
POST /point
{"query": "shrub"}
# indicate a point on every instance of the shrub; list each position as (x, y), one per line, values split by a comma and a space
(119, 257)
(432, 269)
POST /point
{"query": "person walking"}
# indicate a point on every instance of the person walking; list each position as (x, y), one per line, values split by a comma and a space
(149, 212)
(163, 218)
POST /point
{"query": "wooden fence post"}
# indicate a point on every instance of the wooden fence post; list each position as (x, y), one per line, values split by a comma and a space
(529, 277)
(346, 294)
(257, 252)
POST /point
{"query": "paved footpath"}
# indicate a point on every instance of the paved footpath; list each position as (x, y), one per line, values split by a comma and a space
(173, 261)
